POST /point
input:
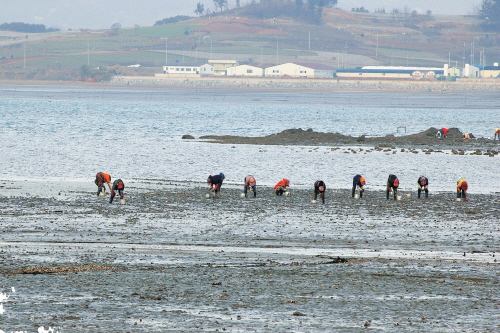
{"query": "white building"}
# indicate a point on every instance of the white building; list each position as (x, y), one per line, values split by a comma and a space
(245, 70)
(186, 70)
(300, 70)
(471, 71)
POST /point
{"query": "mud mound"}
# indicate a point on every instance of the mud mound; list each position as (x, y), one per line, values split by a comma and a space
(309, 137)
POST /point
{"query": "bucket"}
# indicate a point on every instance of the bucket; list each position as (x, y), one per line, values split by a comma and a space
(207, 195)
(287, 194)
(101, 194)
(122, 201)
(242, 195)
(459, 199)
(408, 195)
(313, 201)
(356, 196)
(399, 197)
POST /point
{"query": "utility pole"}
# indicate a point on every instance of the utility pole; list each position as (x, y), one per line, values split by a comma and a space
(166, 50)
(276, 52)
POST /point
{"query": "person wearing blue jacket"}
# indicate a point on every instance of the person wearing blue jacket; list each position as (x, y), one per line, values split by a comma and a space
(358, 182)
(215, 183)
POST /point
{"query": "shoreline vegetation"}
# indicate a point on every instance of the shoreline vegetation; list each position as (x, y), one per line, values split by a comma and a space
(461, 86)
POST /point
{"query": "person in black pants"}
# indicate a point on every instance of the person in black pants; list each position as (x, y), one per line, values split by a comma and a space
(392, 185)
(319, 188)
(215, 183)
(359, 182)
(423, 183)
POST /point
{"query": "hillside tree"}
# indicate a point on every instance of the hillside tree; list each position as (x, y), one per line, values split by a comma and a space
(490, 14)
(200, 9)
(220, 4)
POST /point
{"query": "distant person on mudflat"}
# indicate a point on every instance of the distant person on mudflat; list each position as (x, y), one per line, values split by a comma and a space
(462, 187)
(392, 186)
(118, 186)
(496, 134)
(100, 179)
(250, 184)
(468, 136)
(319, 188)
(282, 186)
(358, 182)
(442, 133)
(423, 184)
(215, 183)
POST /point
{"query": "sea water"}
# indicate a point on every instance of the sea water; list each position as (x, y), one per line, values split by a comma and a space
(70, 133)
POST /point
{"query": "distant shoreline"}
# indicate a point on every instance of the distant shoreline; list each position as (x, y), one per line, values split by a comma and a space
(461, 86)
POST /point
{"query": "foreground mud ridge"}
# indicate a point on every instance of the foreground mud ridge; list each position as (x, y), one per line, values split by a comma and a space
(172, 260)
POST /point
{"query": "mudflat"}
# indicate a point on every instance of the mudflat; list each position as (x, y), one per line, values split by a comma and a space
(172, 260)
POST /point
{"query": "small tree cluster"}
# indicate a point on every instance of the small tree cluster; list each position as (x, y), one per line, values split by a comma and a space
(174, 19)
(25, 27)
(360, 10)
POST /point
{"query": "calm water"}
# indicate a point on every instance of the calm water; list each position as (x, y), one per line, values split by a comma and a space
(73, 132)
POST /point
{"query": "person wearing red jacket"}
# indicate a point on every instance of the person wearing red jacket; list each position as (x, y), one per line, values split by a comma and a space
(100, 179)
(282, 186)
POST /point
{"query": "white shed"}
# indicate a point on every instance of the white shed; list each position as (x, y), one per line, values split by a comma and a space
(245, 70)
(300, 70)
(187, 70)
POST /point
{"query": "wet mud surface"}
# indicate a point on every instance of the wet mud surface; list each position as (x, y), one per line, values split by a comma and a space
(426, 139)
(170, 260)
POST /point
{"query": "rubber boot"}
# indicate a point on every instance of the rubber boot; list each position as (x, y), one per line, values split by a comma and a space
(361, 193)
(245, 191)
(323, 197)
(354, 192)
(418, 193)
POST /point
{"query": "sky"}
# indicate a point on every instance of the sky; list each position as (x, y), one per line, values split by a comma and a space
(101, 14)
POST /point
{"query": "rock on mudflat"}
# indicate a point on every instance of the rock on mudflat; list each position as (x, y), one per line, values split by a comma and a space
(187, 136)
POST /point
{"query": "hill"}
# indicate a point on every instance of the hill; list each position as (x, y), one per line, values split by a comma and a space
(341, 39)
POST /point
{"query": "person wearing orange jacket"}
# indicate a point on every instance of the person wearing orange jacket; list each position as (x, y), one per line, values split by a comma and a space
(358, 182)
(462, 187)
(496, 133)
(281, 186)
(100, 179)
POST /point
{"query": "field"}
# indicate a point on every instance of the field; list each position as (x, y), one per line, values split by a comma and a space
(356, 38)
